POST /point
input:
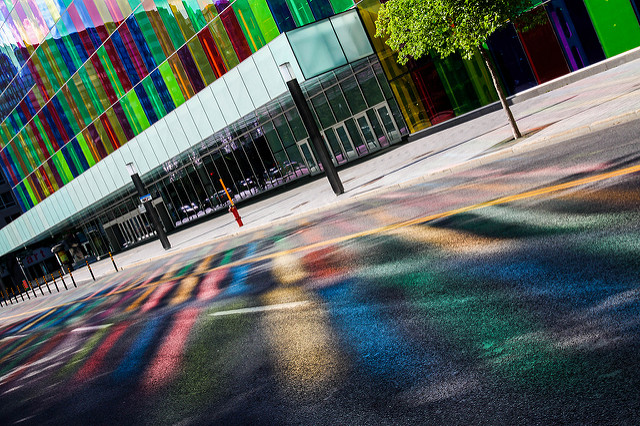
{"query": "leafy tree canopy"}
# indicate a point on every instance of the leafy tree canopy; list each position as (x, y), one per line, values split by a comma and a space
(415, 27)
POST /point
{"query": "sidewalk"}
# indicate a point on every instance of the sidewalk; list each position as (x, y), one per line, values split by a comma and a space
(592, 103)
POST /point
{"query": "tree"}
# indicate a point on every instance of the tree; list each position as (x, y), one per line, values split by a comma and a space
(416, 27)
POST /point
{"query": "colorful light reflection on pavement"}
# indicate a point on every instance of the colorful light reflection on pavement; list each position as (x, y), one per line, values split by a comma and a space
(527, 308)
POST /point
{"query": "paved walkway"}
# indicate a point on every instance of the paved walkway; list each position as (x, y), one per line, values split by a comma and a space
(593, 103)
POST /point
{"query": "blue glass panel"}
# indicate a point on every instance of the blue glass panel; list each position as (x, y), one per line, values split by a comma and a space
(124, 56)
(320, 8)
(66, 57)
(63, 117)
(282, 15)
(163, 91)
(77, 43)
(69, 160)
(141, 43)
(76, 147)
(52, 125)
(21, 115)
(146, 103)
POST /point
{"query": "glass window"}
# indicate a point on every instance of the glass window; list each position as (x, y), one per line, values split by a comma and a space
(322, 109)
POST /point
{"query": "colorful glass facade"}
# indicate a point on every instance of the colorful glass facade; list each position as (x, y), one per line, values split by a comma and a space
(81, 78)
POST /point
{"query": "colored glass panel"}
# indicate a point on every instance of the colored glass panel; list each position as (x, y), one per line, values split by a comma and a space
(211, 50)
(86, 88)
(616, 25)
(201, 61)
(301, 12)
(175, 34)
(85, 98)
(122, 119)
(182, 18)
(65, 103)
(225, 47)
(103, 76)
(51, 171)
(104, 137)
(146, 103)
(141, 44)
(78, 152)
(181, 78)
(154, 97)
(249, 23)
(231, 25)
(191, 68)
(63, 169)
(69, 161)
(114, 127)
(116, 64)
(130, 59)
(282, 15)
(341, 5)
(162, 35)
(543, 50)
(135, 113)
(195, 14)
(86, 149)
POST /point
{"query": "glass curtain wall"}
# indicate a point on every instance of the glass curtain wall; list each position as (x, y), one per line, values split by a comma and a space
(353, 106)
(80, 79)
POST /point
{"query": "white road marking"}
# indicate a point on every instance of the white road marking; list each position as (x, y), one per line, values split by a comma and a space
(12, 389)
(290, 305)
(91, 328)
(15, 336)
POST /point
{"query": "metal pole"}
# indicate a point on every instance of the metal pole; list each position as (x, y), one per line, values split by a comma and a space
(151, 209)
(47, 283)
(71, 275)
(64, 283)
(315, 136)
(55, 282)
(113, 261)
(90, 271)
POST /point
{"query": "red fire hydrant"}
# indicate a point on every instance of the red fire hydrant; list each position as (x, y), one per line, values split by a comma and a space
(236, 215)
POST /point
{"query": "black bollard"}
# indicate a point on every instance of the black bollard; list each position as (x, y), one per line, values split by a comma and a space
(113, 261)
(47, 283)
(64, 283)
(72, 280)
(90, 271)
(55, 282)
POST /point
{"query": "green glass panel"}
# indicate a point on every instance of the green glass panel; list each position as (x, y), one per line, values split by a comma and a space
(111, 72)
(33, 197)
(76, 161)
(70, 116)
(164, 10)
(83, 90)
(34, 146)
(457, 84)
(201, 61)
(102, 98)
(142, 123)
(62, 167)
(91, 91)
(79, 103)
(195, 14)
(265, 20)
(152, 93)
(57, 57)
(19, 161)
(341, 5)
(6, 134)
(172, 84)
(249, 25)
(150, 36)
(301, 12)
(225, 47)
(43, 134)
(86, 150)
(481, 80)
(50, 74)
(181, 16)
(616, 24)
(17, 118)
(24, 197)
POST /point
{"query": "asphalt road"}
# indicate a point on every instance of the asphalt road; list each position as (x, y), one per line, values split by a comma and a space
(505, 294)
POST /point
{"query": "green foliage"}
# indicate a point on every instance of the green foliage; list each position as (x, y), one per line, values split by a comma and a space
(416, 27)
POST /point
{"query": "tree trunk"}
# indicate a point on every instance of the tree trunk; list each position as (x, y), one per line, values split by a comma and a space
(503, 99)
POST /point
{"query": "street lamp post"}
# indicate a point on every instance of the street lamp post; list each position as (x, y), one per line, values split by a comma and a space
(145, 199)
(312, 128)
